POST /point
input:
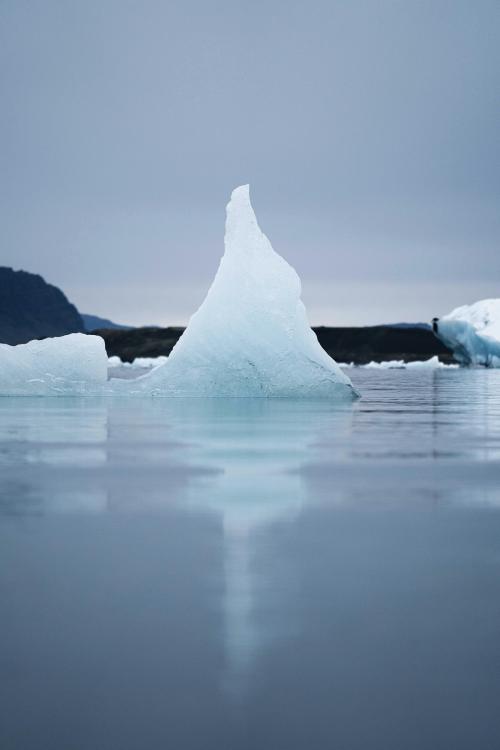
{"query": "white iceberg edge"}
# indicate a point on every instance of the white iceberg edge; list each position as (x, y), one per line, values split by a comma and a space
(472, 332)
(400, 364)
(139, 363)
(66, 365)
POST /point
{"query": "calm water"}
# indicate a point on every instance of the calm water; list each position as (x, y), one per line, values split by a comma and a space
(251, 574)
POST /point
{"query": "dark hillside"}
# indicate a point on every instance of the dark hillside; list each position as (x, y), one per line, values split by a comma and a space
(379, 343)
(139, 342)
(32, 309)
(359, 345)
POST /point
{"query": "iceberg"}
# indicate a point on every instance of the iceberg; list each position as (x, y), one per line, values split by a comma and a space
(251, 336)
(472, 332)
(72, 364)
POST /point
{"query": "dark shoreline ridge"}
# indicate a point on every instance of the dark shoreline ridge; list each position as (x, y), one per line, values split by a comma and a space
(358, 345)
(32, 309)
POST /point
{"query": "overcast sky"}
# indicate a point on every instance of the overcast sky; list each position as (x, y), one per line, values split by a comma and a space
(368, 131)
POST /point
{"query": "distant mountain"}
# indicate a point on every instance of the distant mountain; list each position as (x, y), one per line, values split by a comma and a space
(93, 322)
(32, 309)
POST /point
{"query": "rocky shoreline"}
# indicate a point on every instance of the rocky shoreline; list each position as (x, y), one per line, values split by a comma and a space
(358, 345)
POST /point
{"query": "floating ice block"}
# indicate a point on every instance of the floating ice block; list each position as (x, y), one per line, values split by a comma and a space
(72, 364)
(251, 336)
(472, 332)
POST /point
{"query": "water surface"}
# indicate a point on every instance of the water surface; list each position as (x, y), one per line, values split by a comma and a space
(253, 573)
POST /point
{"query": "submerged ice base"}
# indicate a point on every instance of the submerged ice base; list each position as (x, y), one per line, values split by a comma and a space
(72, 364)
(472, 332)
(251, 336)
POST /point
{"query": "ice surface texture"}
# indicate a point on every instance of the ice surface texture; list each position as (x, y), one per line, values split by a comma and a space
(250, 337)
(473, 333)
(71, 364)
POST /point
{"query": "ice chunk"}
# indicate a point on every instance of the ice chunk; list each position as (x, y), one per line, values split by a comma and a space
(139, 363)
(144, 362)
(472, 332)
(72, 364)
(434, 363)
(131, 370)
(399, 364)
(250, 337)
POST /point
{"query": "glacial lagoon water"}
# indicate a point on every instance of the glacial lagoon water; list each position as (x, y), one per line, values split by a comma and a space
(253, 574)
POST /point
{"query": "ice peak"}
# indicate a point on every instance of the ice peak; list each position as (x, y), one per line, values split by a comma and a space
(250, 337)
(240, 205)
(241, 193)
(243, 233)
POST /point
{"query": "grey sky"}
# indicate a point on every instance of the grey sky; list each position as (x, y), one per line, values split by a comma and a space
(368, 131)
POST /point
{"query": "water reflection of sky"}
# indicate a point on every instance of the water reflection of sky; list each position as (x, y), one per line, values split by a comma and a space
(271, 564)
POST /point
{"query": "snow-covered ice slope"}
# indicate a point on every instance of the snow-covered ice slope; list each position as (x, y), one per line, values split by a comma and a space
(250, 337)
(72, 364)
(472, 332)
